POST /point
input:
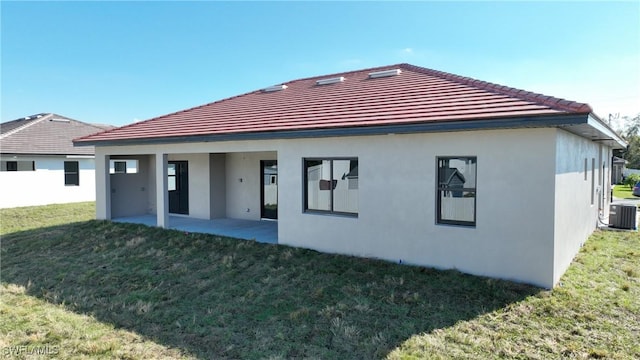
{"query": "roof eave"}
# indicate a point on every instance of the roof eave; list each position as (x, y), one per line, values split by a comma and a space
(606, 131)
(566, 121)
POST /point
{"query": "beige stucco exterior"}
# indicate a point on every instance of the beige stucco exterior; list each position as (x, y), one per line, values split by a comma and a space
(397, 215)
(581, 193)
(533, 205)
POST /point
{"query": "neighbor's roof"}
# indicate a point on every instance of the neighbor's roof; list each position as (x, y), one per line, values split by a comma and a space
(415, 95)
(619, 160)
(46, 134)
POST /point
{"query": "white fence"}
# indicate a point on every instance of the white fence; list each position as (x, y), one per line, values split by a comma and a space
(457, 208)
(627, 172)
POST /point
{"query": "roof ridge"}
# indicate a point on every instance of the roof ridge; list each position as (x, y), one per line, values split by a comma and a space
(28, 124)
(343, 73)
(546, 100)
(47, 116)
(78, 121)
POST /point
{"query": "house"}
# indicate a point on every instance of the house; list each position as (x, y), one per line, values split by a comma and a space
(39, 164)
(617, 170)
(451, 177)
(531, 169)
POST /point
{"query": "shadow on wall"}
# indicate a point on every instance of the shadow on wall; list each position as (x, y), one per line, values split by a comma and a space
(222, 298)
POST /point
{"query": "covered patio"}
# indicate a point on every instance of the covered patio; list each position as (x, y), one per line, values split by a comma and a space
(263, 231)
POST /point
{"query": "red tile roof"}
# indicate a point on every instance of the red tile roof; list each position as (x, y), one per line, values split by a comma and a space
(417, 95)
(46, 134)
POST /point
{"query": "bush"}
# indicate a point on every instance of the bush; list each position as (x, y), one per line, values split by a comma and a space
(631, 180)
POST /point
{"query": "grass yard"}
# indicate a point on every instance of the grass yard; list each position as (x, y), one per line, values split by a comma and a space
(81, 288)
(623, 192)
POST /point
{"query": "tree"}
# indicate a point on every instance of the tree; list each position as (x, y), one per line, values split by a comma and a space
(632, 126)
(631, 134)
(632, 153)
(631, 180)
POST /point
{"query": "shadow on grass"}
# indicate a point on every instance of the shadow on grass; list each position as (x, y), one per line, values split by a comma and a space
(216, 297)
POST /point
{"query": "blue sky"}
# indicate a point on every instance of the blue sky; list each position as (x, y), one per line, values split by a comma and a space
(120, 62)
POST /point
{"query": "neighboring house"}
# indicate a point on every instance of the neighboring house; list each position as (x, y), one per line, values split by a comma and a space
(451, 178)
(529, 169)
(617, 169)
(39, 164)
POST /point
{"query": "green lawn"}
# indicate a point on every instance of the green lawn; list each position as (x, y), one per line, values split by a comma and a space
(81, 288)
(623, 192)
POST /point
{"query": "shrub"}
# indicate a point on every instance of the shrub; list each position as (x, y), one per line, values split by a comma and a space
(631, 180)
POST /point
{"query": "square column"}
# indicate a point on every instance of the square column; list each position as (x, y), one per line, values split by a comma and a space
(162, 191)
(103, 186)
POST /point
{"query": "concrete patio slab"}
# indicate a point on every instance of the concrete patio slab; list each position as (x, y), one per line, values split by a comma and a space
(261, 231)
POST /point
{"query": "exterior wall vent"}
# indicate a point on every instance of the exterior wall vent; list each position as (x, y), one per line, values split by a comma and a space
(275, 88)
(330, 80)
(385, 73)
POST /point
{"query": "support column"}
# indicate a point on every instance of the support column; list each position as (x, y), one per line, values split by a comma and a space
(162, 191)
(103, 186)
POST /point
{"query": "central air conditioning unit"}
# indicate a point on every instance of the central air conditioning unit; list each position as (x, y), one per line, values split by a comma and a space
(622, 217)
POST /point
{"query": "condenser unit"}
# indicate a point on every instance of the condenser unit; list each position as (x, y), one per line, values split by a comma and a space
(622, 216)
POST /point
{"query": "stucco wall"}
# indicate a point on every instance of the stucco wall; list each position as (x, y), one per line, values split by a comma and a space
(233, 160)
(243, 183)
(513, 237)
(199, 206)
(46, 185)
(217, 186)
(151, 182)
(575, 216)
(517, 173)
(130, 192)
(135, 194)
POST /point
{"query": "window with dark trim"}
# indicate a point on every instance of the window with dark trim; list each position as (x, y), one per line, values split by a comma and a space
(71, 173)
(120, 167)
(18, 166)
(586, 168)
(331, 185)
(593, 180)
(123, 166)
(456, 190)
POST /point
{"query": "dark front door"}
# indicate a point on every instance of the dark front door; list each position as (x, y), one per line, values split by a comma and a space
(178, 184)
(269, 189)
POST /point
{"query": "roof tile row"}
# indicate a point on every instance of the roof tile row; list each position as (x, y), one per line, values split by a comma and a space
(416, 95)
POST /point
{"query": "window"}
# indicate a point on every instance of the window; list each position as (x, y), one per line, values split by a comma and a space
(586, 168)
(171, 177)
(71, 173)
(456, 190)
(123, 166)
(593, 179)
(331, 185)
(18, 166)
(120, 167)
